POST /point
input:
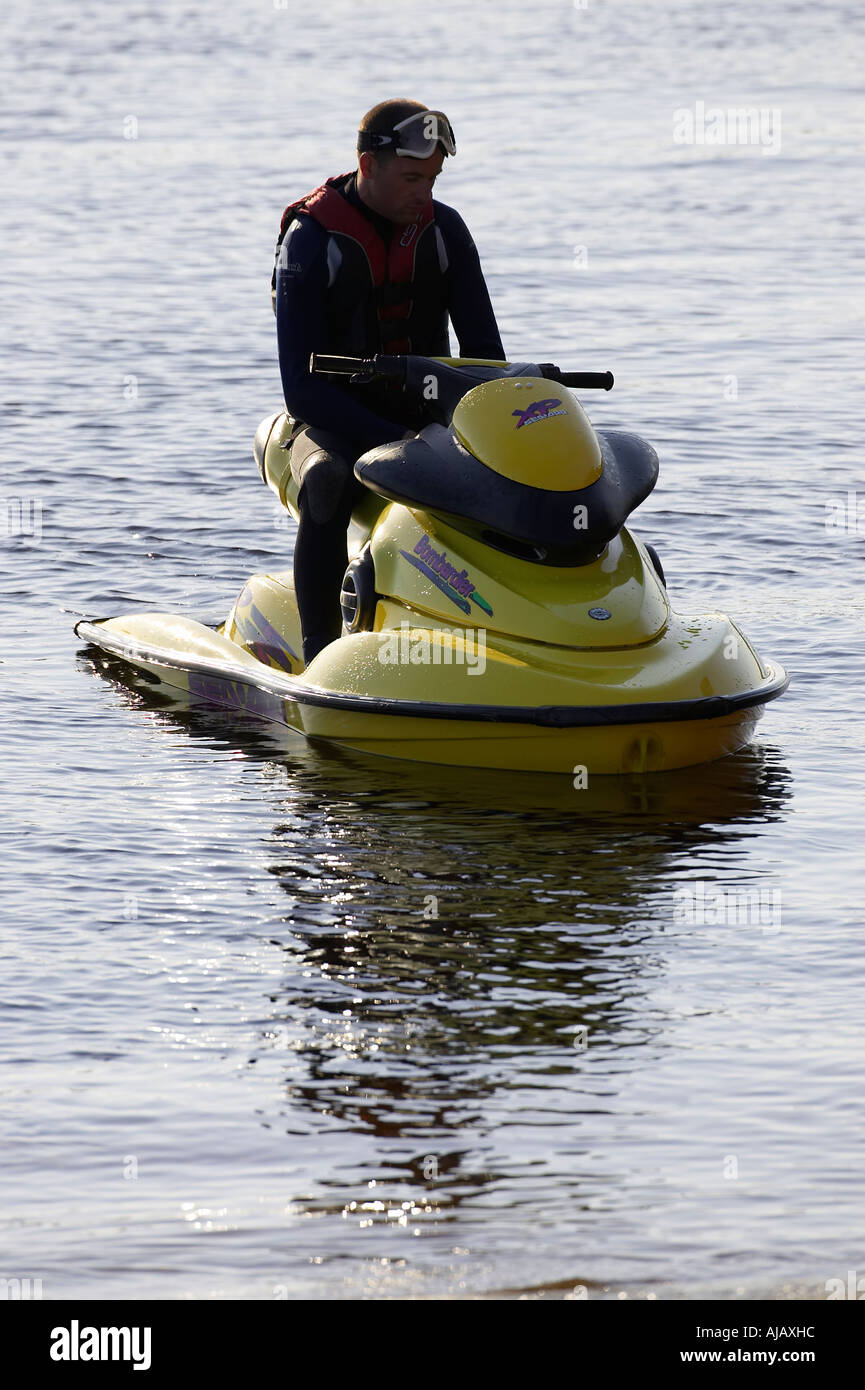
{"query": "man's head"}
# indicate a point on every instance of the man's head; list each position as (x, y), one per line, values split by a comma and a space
(402, 145)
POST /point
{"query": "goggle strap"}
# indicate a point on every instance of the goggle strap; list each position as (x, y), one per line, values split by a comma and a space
(372, 140)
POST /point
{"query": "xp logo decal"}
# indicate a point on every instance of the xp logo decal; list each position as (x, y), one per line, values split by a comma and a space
(457, 585)
(538, 410)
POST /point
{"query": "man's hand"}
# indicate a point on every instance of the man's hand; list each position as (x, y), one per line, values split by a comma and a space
(409, 434)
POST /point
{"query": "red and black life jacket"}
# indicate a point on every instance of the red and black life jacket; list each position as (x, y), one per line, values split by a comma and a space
(380, 298)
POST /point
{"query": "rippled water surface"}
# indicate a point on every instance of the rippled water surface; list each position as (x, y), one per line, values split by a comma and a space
(290, 1021)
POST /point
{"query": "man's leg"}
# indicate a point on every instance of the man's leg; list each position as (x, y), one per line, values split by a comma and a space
(322, 464)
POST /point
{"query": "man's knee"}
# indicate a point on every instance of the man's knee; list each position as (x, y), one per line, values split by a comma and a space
(327, 486)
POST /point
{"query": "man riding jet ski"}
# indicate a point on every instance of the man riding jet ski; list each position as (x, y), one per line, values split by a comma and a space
(367, 263)
(496, 611)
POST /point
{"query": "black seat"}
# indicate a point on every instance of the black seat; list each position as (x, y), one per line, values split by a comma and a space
(435, 471)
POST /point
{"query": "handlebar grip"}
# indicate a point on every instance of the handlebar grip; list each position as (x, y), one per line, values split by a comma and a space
(600, 381)
(344, 366)
(362, 370)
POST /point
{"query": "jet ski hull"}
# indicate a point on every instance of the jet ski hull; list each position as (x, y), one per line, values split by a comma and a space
(652, 731)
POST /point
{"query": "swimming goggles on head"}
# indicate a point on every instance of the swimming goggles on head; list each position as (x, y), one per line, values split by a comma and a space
(418, 136)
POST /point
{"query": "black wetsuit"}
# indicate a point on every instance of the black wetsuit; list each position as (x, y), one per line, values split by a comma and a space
(339, 426)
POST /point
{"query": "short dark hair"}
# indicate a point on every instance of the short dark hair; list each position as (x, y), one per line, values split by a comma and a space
(382, 119)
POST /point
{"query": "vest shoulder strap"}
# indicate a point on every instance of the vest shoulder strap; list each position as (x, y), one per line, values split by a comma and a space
(392, 264)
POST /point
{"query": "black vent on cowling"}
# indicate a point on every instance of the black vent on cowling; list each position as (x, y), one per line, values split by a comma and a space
(518, 549)
(348, 601)
(358, 597)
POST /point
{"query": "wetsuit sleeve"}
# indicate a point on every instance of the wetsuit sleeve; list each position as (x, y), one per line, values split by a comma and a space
(301, 285)
(469, 306)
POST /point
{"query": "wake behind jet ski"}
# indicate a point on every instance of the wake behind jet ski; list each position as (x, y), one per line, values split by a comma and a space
(497, 612)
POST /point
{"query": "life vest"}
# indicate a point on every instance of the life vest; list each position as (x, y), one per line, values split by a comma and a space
(381, 298)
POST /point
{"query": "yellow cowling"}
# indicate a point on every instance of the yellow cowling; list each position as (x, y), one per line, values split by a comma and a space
(506, 594)
(531, 431)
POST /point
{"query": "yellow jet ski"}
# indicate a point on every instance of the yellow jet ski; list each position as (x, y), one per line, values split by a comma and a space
(497, 612)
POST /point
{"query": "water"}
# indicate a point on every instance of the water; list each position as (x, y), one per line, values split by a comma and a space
(285, 1022)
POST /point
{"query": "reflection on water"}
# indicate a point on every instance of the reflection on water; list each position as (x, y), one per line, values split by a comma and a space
(470, 973)
(451, 926)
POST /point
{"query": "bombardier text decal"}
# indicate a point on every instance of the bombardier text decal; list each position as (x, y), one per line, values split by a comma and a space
(455, 584)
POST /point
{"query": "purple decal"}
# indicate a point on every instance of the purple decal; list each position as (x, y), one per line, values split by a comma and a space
(438, 561)
(538, 410)
(221, 690)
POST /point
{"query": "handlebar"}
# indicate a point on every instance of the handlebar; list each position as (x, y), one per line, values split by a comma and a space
(385, 368)
(592, 381)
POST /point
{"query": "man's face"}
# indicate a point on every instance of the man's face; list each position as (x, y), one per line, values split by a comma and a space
(401, 187)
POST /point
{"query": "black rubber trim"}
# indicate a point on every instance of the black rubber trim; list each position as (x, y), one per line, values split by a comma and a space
(545, 716)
